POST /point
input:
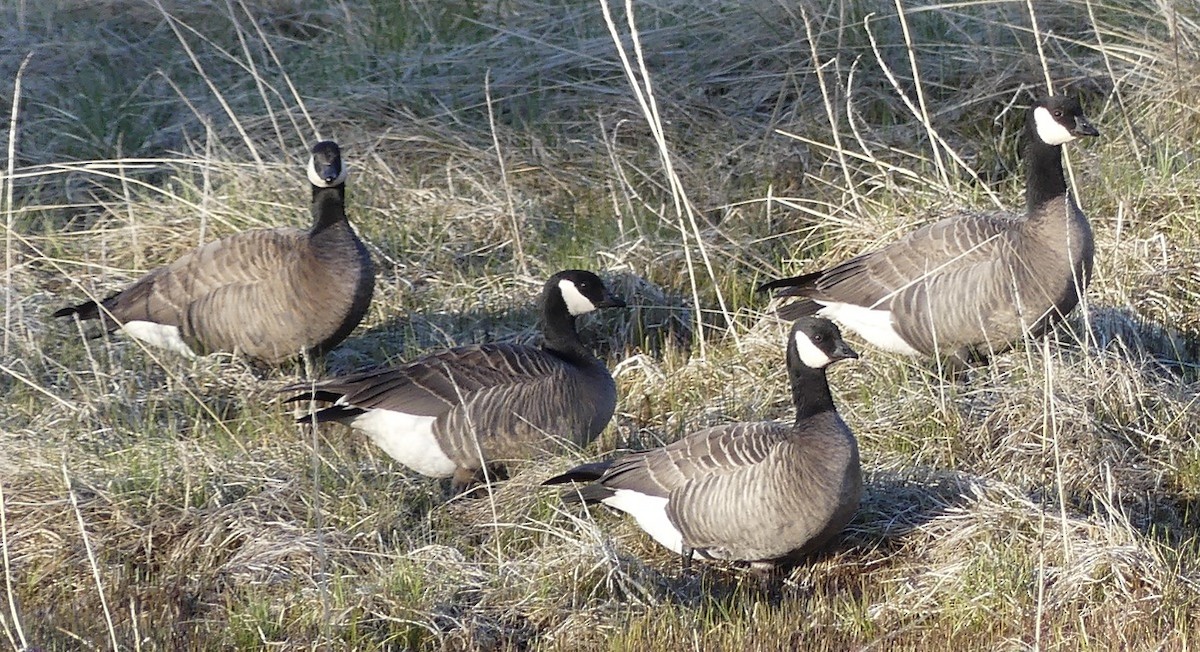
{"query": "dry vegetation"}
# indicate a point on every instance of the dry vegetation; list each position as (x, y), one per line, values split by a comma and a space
(149, 502)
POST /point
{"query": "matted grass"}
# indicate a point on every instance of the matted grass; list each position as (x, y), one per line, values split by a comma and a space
(150, 502)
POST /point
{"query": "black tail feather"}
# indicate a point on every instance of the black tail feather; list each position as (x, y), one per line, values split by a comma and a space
(85, 310)
(589, 493)
(791, 286)
(583, 473)
(795, 286)
(337, 414)
(310, 394)
(798, 309)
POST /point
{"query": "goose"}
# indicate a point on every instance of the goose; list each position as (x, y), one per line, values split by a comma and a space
(465, 411)
(969, 285)
(270, 294)
(759, 492)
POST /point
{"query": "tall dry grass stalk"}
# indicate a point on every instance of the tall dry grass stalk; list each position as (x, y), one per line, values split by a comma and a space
(689, 231)
(10, 226)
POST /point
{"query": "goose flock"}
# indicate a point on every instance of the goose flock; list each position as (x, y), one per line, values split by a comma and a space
(764, 492)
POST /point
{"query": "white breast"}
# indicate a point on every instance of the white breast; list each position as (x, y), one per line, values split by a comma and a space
(408, 439)
(158, 335)
(650, 512)
(873, 325)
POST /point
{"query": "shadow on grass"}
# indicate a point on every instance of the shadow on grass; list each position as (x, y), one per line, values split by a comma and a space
(1137, 338)
(654, 321)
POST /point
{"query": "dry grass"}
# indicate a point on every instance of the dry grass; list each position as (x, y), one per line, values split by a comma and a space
(149, 502)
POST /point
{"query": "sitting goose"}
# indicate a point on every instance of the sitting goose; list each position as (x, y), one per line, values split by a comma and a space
(969, 285)
(270, 294)
(468, 409)
(758, 492)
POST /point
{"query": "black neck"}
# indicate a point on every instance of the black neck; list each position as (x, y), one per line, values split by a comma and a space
(1044, 179)
(558, 327)
(328, 207)
(810, 389)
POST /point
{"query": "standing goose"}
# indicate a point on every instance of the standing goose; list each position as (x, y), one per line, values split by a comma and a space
(757, 492)
(270, 294)
(969, 285)
(460, 411)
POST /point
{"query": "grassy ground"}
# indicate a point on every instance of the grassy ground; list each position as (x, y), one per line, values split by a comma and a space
(150, 502)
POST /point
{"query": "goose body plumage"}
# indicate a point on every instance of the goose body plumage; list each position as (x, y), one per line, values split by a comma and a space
(270, 294)
(457, 412)
(758, 491)
(969, 285)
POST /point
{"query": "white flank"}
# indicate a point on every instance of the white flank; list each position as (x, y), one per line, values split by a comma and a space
(408, 439)
(315, 177)
(577, 304)
(650, 512)
(158, 335)
(874, 326)
(1051, 131)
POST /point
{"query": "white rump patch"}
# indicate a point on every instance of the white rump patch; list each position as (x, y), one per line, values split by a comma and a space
(874, 326)
(650, 512)
(408, 439)
(1051, 131)
(322, 183)
(577, 304)
(162, 336)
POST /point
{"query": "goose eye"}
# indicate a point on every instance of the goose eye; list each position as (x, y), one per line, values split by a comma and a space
(817, 339)
(1058, 113)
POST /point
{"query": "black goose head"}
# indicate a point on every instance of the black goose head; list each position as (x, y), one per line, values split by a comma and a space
(581, 292)
(817, 343)
(1059, 119)
(325, 169)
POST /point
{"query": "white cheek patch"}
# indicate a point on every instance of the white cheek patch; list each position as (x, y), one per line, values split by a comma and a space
(1050, 130)
(577, 304)
(810, 355)
(316, 179)
(408, 439)
(158, 335)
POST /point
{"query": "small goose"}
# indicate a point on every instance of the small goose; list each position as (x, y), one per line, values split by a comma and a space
(465, 410)
(969, 285)
(270, 294)
(757, 492)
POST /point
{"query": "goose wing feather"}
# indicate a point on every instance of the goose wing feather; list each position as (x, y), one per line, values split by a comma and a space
(434, 385)
(717, 451)
(227, 294)
(934, 256)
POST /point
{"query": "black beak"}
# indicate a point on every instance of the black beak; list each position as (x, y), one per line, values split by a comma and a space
(330, 173)
(1084, 128)
(843, 352)
(610, 301)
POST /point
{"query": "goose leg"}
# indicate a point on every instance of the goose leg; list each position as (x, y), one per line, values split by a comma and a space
(686, 558)
(769, 578)
(957, 367)
(461, 481)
